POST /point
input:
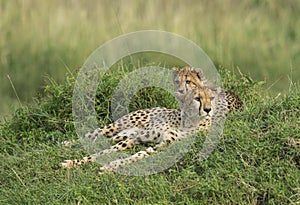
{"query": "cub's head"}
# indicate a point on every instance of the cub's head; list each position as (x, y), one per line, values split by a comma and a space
(188, 77)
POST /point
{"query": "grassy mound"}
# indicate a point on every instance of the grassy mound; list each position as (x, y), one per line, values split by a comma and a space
(256, 162)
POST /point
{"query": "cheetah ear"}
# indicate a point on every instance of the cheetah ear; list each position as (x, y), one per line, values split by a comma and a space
(175, 69)
(175, 72)
(200, 73)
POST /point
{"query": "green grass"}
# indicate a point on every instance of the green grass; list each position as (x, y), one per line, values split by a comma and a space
(40, 38)
(256, 162)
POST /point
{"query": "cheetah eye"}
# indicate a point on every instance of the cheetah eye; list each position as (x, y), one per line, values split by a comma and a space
(187, 81)
(198, 99)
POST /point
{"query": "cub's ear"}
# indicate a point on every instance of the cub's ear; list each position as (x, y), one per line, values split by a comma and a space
(175, 72)
(175, 69)
(200, 73)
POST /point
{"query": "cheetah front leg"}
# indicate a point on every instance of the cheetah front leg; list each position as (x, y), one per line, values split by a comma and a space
(114, 165)
(128, 143)
(138, 136)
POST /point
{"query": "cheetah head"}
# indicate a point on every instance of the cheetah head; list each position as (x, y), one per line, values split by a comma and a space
(188, 77)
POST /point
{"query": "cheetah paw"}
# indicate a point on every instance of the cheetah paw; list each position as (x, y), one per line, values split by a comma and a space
(67, 164)
(105, 170)
(150, 150)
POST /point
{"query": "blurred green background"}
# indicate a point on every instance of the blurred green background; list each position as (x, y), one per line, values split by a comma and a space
(42, 39)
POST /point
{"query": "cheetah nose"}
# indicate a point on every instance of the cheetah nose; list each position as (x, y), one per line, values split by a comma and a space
(207, 110)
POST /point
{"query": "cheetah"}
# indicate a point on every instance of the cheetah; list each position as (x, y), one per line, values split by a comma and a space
(163, 126)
